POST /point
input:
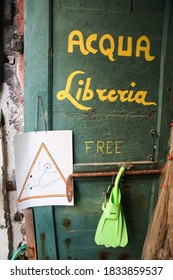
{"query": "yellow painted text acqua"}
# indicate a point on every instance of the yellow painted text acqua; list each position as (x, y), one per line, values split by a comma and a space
(107, 45)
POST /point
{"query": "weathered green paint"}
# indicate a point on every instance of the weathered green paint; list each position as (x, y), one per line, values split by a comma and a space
(76, 227)
(37, 83)
(165, 87)
(116, 131)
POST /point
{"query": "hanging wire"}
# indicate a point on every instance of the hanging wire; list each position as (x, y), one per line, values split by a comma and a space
(39, 102)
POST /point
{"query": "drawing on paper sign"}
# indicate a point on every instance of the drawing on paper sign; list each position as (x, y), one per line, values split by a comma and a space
(43, 161)
(44, 178)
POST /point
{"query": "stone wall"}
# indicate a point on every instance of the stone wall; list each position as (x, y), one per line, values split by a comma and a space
(12, 226)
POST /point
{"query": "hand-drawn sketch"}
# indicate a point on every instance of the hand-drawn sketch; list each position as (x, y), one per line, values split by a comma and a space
(45, 176)
(41, 174)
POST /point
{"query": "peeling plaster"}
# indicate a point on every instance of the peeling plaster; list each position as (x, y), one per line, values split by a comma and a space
(4, 234)
(12, 230)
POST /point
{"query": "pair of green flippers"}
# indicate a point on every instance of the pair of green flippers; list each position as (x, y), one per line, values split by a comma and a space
(111, 230)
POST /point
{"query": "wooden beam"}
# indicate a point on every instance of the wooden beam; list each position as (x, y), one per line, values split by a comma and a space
(30, 234)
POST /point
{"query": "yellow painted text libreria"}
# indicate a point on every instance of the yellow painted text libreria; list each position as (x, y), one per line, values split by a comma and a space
(85, 93)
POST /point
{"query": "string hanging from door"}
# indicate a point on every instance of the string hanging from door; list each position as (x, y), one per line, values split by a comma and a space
(39, 102)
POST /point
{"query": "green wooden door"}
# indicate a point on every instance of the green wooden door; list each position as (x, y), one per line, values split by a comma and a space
(103, 70)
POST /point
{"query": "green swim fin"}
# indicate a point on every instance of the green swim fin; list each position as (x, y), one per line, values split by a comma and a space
(111, 230)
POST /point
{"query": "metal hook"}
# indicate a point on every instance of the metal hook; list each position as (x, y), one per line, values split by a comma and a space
(108, 192)
(113, 178)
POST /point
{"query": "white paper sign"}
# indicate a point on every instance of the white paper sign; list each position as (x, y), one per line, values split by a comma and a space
(43, 161)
